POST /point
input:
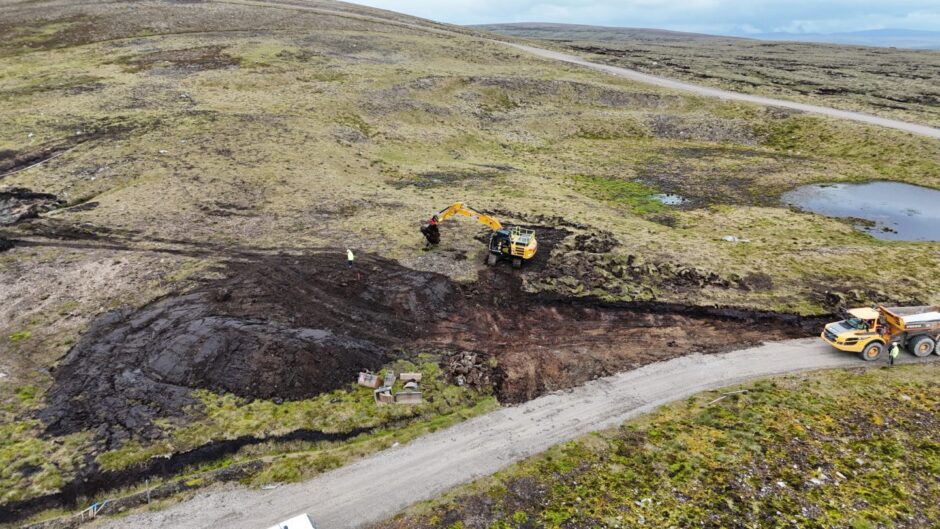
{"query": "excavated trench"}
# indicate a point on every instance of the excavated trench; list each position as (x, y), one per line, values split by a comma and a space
(93, 482)
(291, 327)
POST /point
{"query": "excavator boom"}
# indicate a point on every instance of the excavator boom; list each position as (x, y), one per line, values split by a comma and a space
(459, 208)
(510, 242)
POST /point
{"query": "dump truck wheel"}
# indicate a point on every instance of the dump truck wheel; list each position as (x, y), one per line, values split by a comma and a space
(873, 351)
(516, 262)
(491, 259)
(921, 346)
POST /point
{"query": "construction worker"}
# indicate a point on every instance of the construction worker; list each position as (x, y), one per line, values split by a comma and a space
(350, 258)
(893, 353)
(431, 232)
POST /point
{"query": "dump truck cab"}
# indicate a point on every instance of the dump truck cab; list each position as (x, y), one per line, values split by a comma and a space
(868, 331)
(857, 333)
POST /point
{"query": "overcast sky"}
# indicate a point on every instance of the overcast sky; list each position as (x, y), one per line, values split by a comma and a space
(739, 17)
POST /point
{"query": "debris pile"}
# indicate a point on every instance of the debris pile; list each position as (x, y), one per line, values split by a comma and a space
(471, 369)
(409, 394)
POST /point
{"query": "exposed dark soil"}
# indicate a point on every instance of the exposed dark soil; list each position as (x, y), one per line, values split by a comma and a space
(703, 176)
(12, 161)
(449, 177)
(114, 129)
(19, 203)
(189, 59)
(286, 327)
(293, 327)
(710, 130)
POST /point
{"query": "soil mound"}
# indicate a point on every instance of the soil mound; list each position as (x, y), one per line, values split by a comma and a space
(284, 327)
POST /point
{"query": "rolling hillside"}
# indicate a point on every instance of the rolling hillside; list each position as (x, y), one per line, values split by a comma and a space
(898, 83)
(179, 182)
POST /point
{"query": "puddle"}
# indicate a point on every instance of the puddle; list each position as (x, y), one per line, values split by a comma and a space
(670, 199)
(895, 211)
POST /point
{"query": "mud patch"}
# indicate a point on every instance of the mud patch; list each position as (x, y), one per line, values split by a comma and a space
(185, 60)
(19, 203)
(702, 129)
(705, 176)
(449, 177)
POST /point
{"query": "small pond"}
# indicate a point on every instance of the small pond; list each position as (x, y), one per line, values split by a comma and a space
(893, 210)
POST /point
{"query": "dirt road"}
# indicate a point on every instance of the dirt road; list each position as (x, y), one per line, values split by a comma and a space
(634, 75)
(382, 485)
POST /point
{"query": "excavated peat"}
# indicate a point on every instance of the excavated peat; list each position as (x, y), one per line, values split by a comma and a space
(293, 327)
(281, 327)
(19, 203)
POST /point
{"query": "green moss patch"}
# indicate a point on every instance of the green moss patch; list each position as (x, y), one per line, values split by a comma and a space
(638, 197)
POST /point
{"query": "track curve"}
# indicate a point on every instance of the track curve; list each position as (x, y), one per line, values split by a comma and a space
(379, 486)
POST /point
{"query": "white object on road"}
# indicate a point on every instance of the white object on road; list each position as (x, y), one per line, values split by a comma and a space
(297, 522)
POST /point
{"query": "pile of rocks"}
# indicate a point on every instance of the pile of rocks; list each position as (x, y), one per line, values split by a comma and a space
(470, 369)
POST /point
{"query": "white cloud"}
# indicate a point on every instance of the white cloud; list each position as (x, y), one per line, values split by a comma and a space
(717, 16)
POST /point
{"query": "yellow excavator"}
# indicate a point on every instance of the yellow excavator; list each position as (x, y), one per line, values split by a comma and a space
(507, 242)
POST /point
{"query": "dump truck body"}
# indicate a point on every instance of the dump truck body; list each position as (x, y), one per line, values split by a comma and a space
(869, 331)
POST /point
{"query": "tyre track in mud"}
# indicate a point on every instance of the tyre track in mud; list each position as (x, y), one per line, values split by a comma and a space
(362, 493)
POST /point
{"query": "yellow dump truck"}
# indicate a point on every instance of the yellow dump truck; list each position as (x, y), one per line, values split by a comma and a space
(869, 331)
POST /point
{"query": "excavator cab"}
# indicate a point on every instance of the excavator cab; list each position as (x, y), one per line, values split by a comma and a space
(507, 242)
(514, 243)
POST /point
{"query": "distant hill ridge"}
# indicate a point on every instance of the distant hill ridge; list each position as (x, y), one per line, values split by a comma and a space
(898, 38)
